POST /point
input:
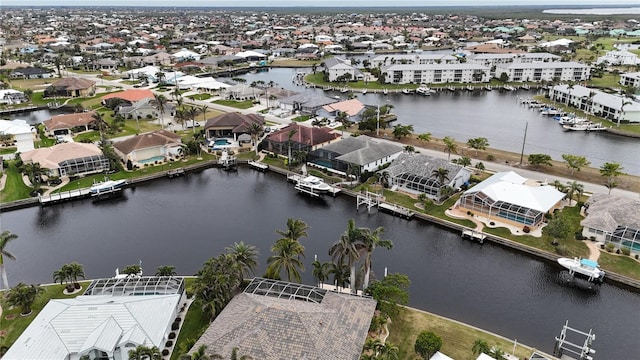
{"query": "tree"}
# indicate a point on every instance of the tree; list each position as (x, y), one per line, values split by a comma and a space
(217, 281)
(348, 247)
(441, 174)
(75, 271)
(340, 272)
(558, 228)
(575, 162)
(254, 130)
(132, 270)
(426, 137)
(449, 146)
(321, 271)
(479, 143)
(427, 344)
(401, 131)
(23, 296)
(102, 125)
(166, 270)
(201, 354)
(34, 172)
(390, 292)
(5, 238)
(539, 159)
(234, 355)
(246, 256)
(371, 240)
(296, 228)
(161, 102)
(611, 171)
(203, 109)
(287, 254)
(464, 161)
(480, 347)
(576, 188)
(142, 352)
(343, 119)
(625, 102)
(290, 135)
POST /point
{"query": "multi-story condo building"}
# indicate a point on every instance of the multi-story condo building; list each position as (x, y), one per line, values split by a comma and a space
(613, 107)
(630, 79)
(436, 73)
(541, 71)
(414, 59)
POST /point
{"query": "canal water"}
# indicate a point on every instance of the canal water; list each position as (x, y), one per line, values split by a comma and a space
(185, 221)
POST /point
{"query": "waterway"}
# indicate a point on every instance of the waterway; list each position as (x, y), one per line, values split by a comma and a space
(184, 221)
(498, 116)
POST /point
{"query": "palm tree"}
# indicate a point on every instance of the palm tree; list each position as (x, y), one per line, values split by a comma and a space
(132, 270)
(255, 129)
(192, 113)
(340, 272)
(441, 174)
(611, 171)
(287, 253)
(201, 354)
(166, 270)
(371, 240)
(234, 355)
(348, 247)
(296, 228)
(101, 124)
(75, 271)
(574, 187)
(245, 256)
(292, 132)
(321, 271)
(625, 102)
(449, 146)
(23, 296)
(161, 101)
(343, 119)
(426, 137)
(480, 347)
(203, 109)
(61, 275)
(5, 238)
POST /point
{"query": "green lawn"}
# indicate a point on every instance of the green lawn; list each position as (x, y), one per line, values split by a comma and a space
(609, 80)
(17, 325)
(194, 325)
(457, 339)
(236, 104)
(200, 97)
(14, 188)
(620, 264)
(7, 150)
(301, 118)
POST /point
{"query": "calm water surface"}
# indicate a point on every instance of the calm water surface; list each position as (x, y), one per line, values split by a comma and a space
(185, 221)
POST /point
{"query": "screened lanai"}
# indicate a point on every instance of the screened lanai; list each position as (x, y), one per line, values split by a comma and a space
(428, 185)
(129, 286)
(84, 165)
(626, 236)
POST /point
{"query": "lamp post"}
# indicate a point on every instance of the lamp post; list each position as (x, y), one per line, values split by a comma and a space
(524, 140)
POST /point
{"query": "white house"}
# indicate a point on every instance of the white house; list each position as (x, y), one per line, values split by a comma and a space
(185, 54)
(435, 73)
(338, 68)
(11, 96)
(630, 79)
(619, 57)
(542, 71)
(612, 107)
(20, 132)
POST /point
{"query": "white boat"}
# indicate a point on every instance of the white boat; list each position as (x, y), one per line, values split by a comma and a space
(508, 88)
(385, 91)
(423, 90)
(584, 267)
(107, 186)
(407, 91)
(596, 127)
(314, 184)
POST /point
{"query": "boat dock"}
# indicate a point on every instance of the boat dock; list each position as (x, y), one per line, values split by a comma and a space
(295, 178)
(395, 210)
(175, 173)
(258, 166)
(58, 197)
(473, 235)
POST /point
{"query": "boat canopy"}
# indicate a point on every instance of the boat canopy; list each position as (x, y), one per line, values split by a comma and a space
(588, 262)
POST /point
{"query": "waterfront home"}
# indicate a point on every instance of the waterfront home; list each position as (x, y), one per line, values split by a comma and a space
(111, 318)
(619, 57)
(18, 133)
(613, 219)
(630, 79)
(353, 109)
(300, 138)
(151, 148)
(418, 174)
(435, 73)
(69, 159)
(612, 107)
(31, 73)
(338, 69)
(274, 319)
(71, 87)
(242, 92)
(131, 95)
(509, 198)
(231, 125)
(67, 124)
(355, 155)
(305, 103)
(136, 104)
(544, 71)
(11, 97)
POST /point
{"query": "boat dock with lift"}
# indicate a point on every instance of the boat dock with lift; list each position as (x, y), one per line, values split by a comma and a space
(258, 165)
(311, 185)
(59, 197)
(473, 235)
(371, 200)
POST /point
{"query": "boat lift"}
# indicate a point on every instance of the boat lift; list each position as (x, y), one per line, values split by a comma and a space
(369, 199)
(583, 351)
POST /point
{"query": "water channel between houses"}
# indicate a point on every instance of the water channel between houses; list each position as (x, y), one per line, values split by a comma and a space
(184, 221)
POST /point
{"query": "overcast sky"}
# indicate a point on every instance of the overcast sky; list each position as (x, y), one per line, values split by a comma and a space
(324, 3)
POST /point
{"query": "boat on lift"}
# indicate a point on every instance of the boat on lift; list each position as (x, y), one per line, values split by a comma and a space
(585, 267)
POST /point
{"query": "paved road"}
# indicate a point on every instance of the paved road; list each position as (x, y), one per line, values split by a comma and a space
(490, 166)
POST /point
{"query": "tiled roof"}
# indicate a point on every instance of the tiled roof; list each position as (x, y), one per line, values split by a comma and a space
(265, 327)
(148, 140)
(68, 121)
(350, 107)
(50, 157)
(303, 135)
(73, 83)
(131, 95)
(239, 122)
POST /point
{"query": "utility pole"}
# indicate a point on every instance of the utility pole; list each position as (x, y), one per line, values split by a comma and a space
(524, 141)
(378, 121)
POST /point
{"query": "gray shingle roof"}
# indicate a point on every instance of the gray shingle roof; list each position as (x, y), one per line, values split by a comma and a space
(362, 150)
(421, 165)
(607, 212)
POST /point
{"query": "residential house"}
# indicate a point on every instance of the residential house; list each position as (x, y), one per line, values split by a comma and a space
(436, 73)
(112, 317)
(31, 73)
(11, 97)
(630, 79)
(422, 174)
(17, 133)
(355, 155)
(299, 138)
(242, 92)
(71, 87)
(353, 109)
(619, 57)
(67, 124)
(305, 103)
(612, 107)
(339, 69)
(544, 71)
(69, 159)
(510, 198)
(274, 319)
(148, 149)
(231, 125)
(184, 55)
(136, 104)
(613, 219)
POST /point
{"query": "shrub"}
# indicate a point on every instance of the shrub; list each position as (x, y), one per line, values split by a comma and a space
(169, 344)
(172, 335)
(526, 229)
(490, 157)
(637, 256)
(592, 238)
(625, 250)
(492, 223)
(165, 352)
(175, 326)
(579, 236)
(562, 250)
(609, 247)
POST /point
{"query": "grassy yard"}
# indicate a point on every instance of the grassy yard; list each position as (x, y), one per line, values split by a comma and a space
(194, 325)
(14, 188)
(457, 339)
(7, 150)
(609, 80)
(200, 97)
(620, 264)
(294, 63)
(236, 104)
(18, 324)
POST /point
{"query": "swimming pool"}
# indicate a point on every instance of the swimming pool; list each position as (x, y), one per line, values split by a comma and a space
(152, 160)
(221, 142)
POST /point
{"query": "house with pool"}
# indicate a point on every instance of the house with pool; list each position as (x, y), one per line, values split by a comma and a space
(68, 159)
(613, 219)
(67, 124)
(301, 138)
(231, 126)
(152, 148)
(509, 198)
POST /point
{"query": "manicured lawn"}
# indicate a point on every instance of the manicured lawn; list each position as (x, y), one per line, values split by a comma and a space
(620, 264)
(277, 162)
(607, 80)
(236, 104)
(301, 118)
(7, 150)
(194, 325)
(14, 188)
(457, 339)
(200, 97)
(17, 325)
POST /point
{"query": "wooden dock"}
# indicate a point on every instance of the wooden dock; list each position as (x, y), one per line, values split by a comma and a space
(473, 235)
(175, 173)
(258, 166)
(396, 210)
(58, 197)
